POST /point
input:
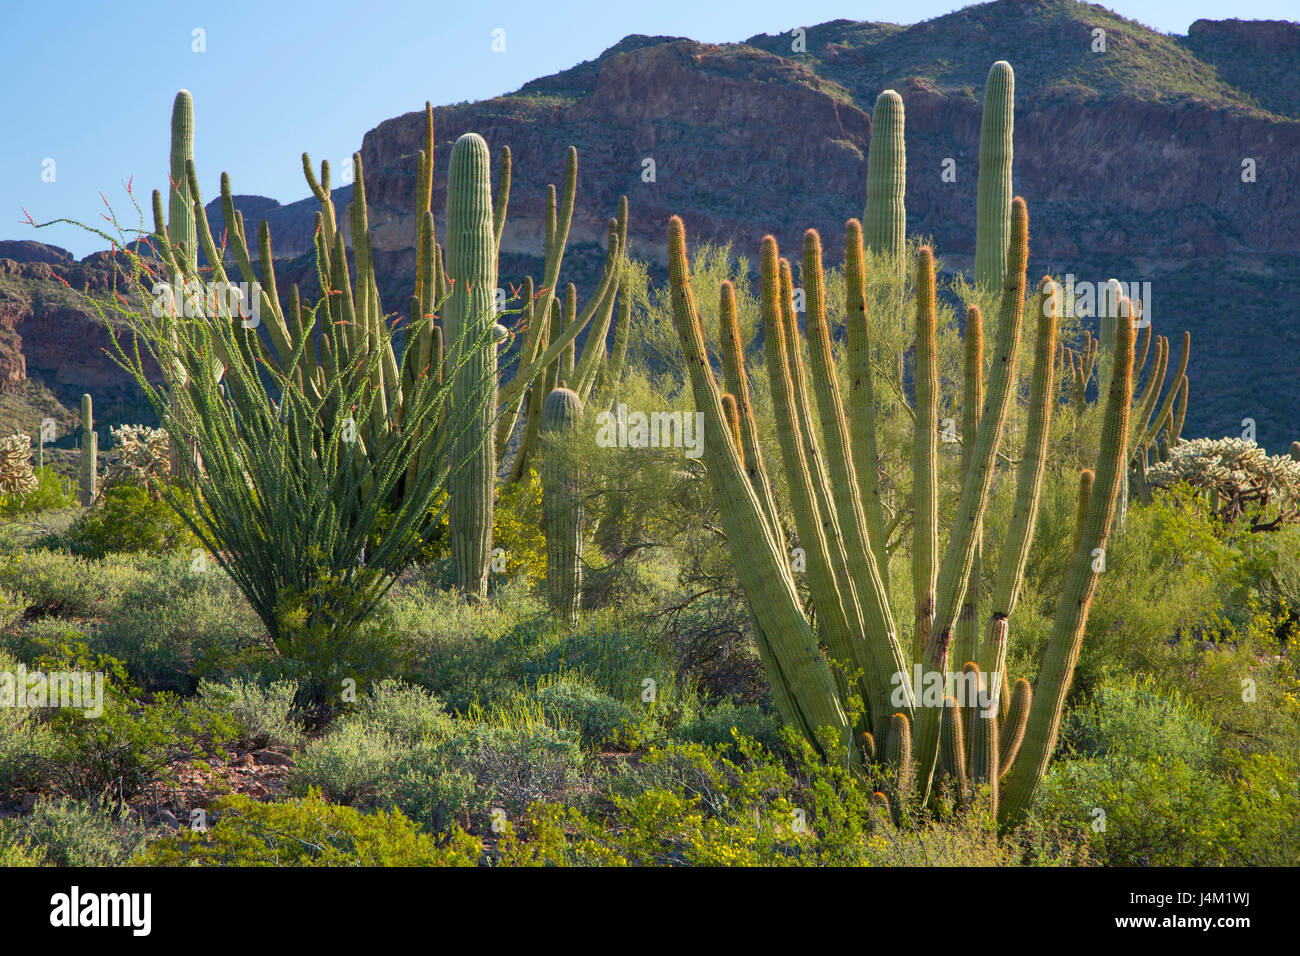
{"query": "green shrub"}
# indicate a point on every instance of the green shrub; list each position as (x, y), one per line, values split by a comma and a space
(69, 833)
(52, 492)
(399, 749)
(263, 714)
(330, 647)
(306, 832)
(599, 718)
(1137, 782)
(130, 520)
(27, 745)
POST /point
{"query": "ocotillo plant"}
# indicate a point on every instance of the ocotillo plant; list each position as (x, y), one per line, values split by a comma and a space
(562, 506)
(314, 359)
(89, 453)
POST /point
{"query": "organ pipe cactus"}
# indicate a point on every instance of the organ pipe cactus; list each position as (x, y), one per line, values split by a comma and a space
(89, 453)
(562, 505)
(832, 512)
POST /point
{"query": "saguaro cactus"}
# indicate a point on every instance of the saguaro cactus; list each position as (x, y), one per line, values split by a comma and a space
(471, 267)
(884, 221)
(89, 452)
(993, 209)
(562, 508)
(181, 228)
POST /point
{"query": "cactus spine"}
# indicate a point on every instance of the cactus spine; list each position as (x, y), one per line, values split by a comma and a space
(993, 209)
(89, 453)
(471, 267)
(562, 504)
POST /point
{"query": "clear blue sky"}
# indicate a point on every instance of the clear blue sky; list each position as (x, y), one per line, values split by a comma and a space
(90, 83)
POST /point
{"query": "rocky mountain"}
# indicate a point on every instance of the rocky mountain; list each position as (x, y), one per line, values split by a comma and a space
(1144, 156)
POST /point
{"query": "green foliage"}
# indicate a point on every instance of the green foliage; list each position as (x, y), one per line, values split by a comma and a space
(52, 492)
(330, 644)
(306, 832)
(131, 520)
(65, 832)
(399, 749)
(516, 529)
(601, 720)
(262, 713)
(1149, 762)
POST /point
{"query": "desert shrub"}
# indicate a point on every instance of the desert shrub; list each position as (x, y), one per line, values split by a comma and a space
(50, 492)
(400, 749)
(329, 646)
(599, 718)
(263, 714)
(28, 747)
(704, 806)
(179, 620)
(718, 726)
(18, 852)
(306, 832)
(62, 585)
(1145, 761)
(13, 605)
(131, 520)
(72, 833)
(129, 744)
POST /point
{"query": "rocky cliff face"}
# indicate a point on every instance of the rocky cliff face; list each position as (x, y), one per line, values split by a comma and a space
(1131, 159)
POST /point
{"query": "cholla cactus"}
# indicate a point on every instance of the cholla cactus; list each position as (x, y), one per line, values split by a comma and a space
(145, 455)
(16, 475)
(1236, 474)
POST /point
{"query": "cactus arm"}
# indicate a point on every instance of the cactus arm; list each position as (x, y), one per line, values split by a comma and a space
(960, 552)
(925, 478)
(862, 410)
(877, 651)
(737, 382)
(819, 534)
(89, 453)
(1016, 543)
(1062, 651)
(884, 221)
(471, 266)
(1011, 733)
(503, 199)
(1166, 407)
(972, 399)
(181, 227)
(562, 505)
(764, 571)
(952, 748)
